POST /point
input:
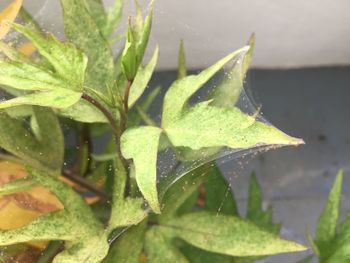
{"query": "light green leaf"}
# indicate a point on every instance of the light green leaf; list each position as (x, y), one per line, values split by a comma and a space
(44, 152)
(125, 210)
(227, 93)
(181, 90)
(83, 111)
(228, 235)
(207, 126)
(128, 59)
(69, 63)
(142, 40)
(122, 251)
(61, 88)
(182, 70)
(81, 29)
(199, 127)
(158, 248)
(327, 224)
(114, 16)
(59, 98)
(97, 12)
(142, 78)
(144, 154)
(134, 118)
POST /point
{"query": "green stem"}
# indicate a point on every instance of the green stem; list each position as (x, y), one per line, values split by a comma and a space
(51, 251)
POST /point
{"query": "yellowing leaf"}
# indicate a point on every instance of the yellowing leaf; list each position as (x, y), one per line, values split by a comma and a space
(27, 49)
(17, 210)
(9, 13)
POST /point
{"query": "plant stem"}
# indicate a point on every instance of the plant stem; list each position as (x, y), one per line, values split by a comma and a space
(84, 183)
(126, 96)
(124, 113)
(51, 251)
(105, 112)
(84, 150)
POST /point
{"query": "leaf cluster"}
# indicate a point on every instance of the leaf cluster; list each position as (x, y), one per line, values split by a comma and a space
(81, 84)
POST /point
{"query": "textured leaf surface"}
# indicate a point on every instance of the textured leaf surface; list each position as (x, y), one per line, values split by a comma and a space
(142, 78)
(122, 251)
(228, 235)
(159, 248)
(126, 211)
(144, 154)
(83, 111)
(85, 239)
(114, 16)
(61, 88)
(81, 30)
(197, 127)
(45, 151)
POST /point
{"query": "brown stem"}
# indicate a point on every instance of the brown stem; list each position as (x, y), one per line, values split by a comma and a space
(84, 183)
(105, 112)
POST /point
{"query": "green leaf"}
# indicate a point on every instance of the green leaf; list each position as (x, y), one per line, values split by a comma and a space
(182, 70)
(97, 12)
(327, 224)
(142, 40)
(68, 62)
(81, 29)
(114, 17)
(181, 90)
(58, 89)
(174, 196)
(207, 126)
(83, 111)
(45, 151)
(85, 239)
(197, 127)
(125, 210)
(196, 255)
(218, 195)
(144, 154)
(137, 37)
(158, 248)
(142, 78)
(227, 92)
(228, 235)
(59, 98)
(122, 251)
(255, 212)
(128, 59)
(134, 118)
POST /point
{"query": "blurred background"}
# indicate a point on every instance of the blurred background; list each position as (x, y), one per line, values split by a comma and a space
(300, 76)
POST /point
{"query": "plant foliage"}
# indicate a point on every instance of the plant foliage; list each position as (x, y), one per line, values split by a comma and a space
(80, 84)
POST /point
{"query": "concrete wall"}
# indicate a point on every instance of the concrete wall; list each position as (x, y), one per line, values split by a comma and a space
(295, 33)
